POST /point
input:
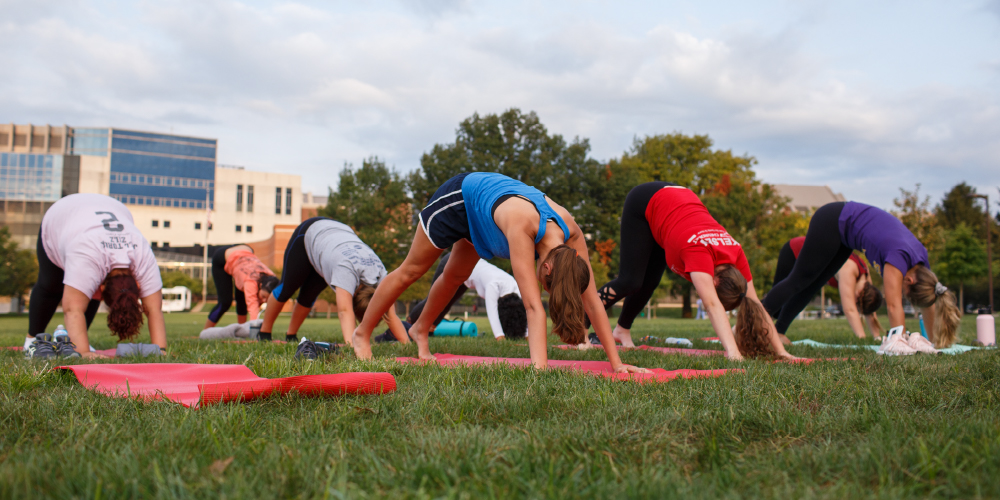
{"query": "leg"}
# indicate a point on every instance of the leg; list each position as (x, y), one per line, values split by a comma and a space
(223, 287)
(634, 303)
(463, 260)
(637, 245)
(415, 312)
(786, 260)
(294, 273)
(458, 295)
(241, 306)
(46, 294)
(793, 307)
(420, 258)
(314, 285)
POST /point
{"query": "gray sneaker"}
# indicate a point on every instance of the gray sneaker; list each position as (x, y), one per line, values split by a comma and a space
(65, 348)
(42, 347)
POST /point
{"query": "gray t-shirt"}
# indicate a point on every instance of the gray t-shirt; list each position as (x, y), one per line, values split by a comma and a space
(338, 255)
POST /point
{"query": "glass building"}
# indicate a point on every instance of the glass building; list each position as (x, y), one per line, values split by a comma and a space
(151, 169)
(31, 177)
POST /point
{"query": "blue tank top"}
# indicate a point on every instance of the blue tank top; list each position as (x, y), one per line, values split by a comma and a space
(881, 236)
(480, 191)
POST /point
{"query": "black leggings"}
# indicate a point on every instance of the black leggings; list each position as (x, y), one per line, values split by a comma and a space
(298, 273)
(642, 259)
(225, 288)
(786, 260)
(822, 255)
(47, 294)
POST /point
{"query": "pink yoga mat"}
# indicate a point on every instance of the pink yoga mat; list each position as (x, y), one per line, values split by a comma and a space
(602, 368)
(198, 384)
(661, 350)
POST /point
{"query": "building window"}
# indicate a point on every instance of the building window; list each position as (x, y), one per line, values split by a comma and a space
(249, 198)
(249, 229)
(197, 225)
(166, 245)
(277, 200)
(156, 223)
(239, 197)
(288, 201)
(239, 228)
(152, 244)
(166, 224)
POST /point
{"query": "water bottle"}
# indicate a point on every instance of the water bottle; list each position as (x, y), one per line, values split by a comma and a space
(923, 331)
(678, 342)
(986, 333)
(60, 335)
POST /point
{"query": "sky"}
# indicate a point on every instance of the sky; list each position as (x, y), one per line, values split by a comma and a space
(866, 97)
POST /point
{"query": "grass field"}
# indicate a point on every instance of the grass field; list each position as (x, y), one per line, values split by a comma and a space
(870, 427)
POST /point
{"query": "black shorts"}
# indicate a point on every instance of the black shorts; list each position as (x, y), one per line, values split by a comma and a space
(444, 219)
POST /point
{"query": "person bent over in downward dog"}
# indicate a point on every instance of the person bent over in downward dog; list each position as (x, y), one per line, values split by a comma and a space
(837, 229)
(666, 224)
(90, 250)
(323, 252)
(483, 215)
(237, 267)
(852, 280)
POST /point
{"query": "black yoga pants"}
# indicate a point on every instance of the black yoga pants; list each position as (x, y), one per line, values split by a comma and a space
(786, 260)
(298, 273)
(822, 255)
(224, 288)
(642, 258)
(47, 294)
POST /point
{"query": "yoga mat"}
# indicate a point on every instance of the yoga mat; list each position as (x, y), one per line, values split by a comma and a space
(955, 349)
(602, 368)
(198, 384)
(661, 350)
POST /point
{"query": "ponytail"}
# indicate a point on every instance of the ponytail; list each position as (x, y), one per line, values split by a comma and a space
(121, 294)
(753, 324)
(928, 291)
(567, 281)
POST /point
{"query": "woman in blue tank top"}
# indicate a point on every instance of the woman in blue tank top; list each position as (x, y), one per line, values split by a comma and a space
(487, 215)
(836, 229)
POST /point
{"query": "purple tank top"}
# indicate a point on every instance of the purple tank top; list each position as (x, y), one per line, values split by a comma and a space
(881, 236)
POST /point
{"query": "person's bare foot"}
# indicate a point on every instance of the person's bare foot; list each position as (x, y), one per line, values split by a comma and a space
(422, 340)
(623, 336)
(784, 339)
(362, 346)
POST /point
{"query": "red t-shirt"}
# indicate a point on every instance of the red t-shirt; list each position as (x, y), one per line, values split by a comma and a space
(691, 239)
(796, 245)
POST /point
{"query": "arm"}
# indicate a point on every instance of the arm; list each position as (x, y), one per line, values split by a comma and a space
(929, 319)
(772, 333)
(152, 305)
(345, 314)
(491, 295)
(847, 282)
(250, 290)
(396, 327)
(705, 285)
(892, 280)
(74, 304)
(522, 260)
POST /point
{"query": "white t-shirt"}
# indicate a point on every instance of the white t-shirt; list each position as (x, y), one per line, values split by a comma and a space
(490, 282)
(87, 235)
(338, 255)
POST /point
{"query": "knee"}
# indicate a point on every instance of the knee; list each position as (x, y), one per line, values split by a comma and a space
(409, 274)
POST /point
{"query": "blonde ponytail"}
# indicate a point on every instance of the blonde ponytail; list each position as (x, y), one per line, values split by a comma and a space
(928, 291)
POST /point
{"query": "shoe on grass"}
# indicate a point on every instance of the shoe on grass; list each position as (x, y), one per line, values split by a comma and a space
(920, 343)
(895, 344)
(42, 347)
(65, 348)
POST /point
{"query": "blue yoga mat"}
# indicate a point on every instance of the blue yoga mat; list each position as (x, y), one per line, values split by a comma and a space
(456, 328)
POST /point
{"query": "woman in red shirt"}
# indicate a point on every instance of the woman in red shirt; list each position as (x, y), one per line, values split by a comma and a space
(664, 224)
(857, 293)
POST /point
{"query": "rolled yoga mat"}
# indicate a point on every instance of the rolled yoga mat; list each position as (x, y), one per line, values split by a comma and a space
(601, 368)
(200, 384)
(456, 328)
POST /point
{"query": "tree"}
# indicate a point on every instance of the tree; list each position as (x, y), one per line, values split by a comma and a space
(178, 278)
(18, 268)
(962, 259)
(374, 202)
(329, 295)
(918, 218)
(958, 206)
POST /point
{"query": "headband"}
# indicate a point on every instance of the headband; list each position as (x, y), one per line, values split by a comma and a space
(939, 289)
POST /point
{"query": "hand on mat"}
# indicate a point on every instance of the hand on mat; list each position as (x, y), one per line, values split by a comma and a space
(788, 357)
(736, 356)
(583, 347)
(92, 355)
(630, 369)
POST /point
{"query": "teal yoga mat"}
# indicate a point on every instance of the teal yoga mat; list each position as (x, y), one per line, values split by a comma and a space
(456, 328)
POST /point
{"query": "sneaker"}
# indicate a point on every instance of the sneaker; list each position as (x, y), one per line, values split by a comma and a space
(919, 343)
(593, 339)
(41, 348)
(895, 344)
(310, 350)
(65, 348)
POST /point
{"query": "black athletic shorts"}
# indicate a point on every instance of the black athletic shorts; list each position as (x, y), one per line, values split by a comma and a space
(444, 219)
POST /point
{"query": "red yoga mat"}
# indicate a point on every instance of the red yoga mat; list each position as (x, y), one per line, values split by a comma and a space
(602, 368)
(198, 384)
(661, 350)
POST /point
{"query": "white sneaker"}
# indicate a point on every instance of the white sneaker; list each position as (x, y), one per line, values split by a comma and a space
(918, 343)
(895, 344)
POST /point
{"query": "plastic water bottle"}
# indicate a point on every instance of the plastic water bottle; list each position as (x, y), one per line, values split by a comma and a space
(986, 333)
(923, 331)
(60, 335)
(678, 341)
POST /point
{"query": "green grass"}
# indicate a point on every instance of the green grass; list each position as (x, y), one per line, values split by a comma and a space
(871, 427)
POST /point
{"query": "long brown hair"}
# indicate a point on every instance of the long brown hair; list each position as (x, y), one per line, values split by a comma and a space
(752, 321)
(928, 291)
(869, 301)
(121, 294)
(566, 283)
